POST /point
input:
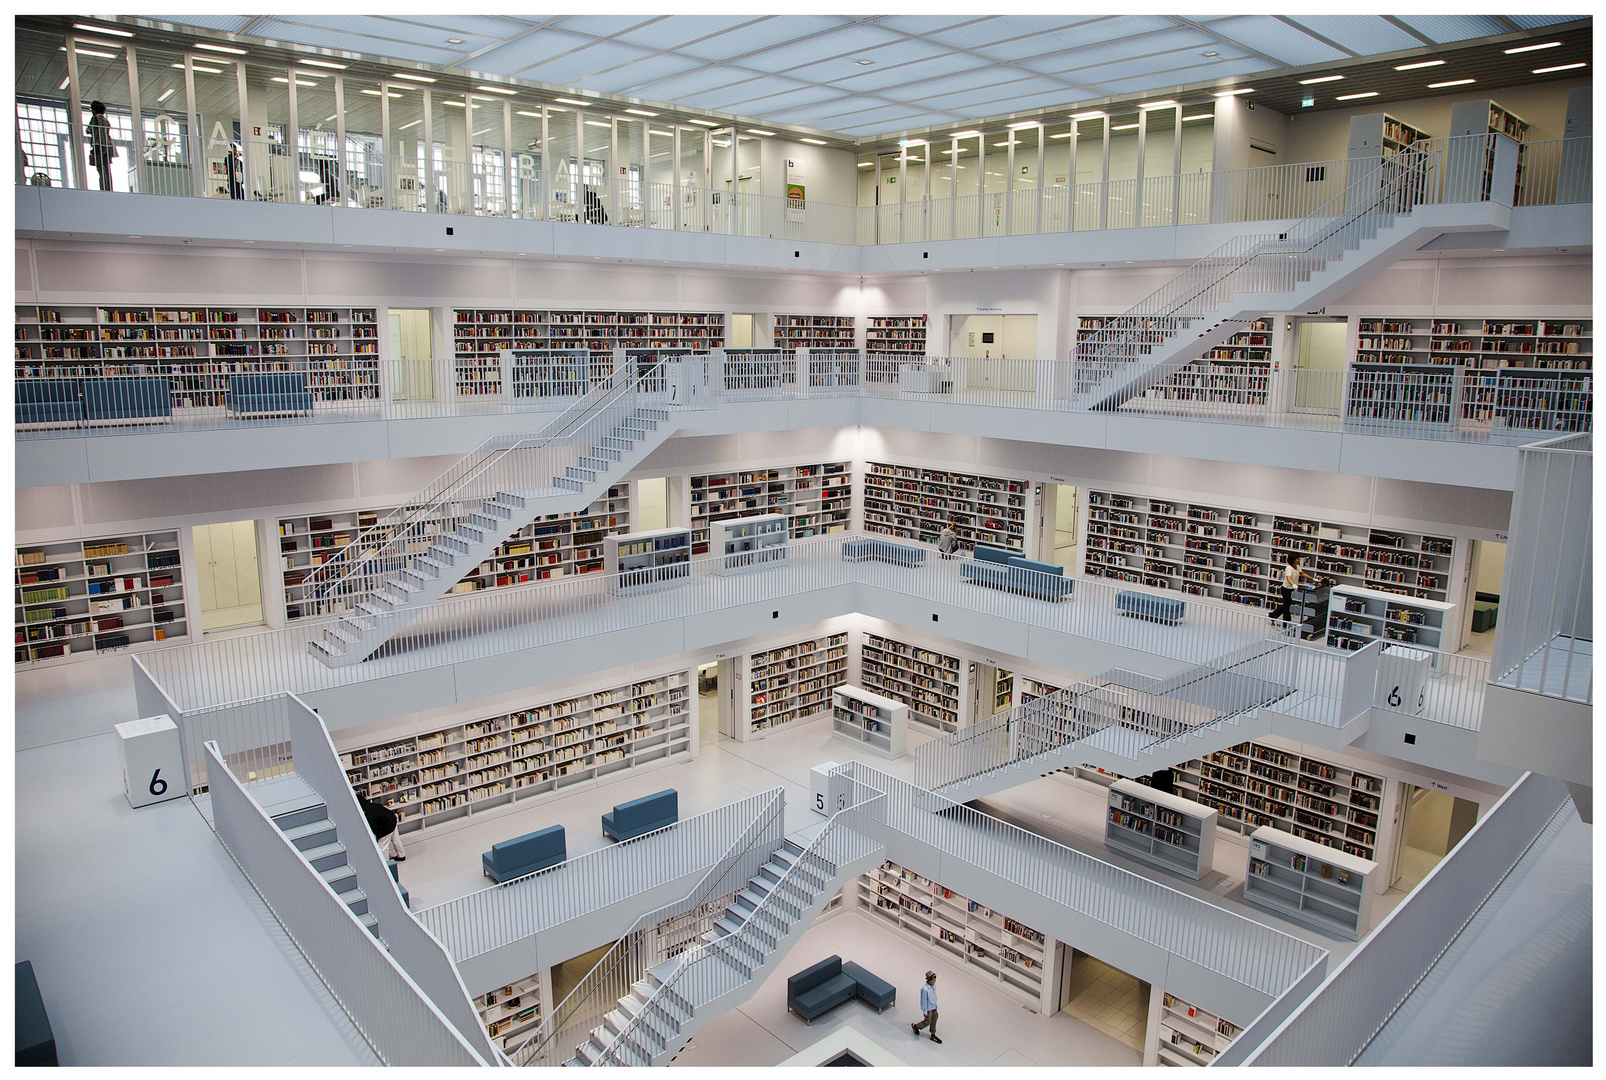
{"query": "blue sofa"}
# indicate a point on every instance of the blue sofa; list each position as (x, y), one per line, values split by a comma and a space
(128, 399)
(271, 392)
(1166, 609)
(36, 1043)
(642, 815)
(1001, 569)
(525, 854)
(885, 551)
(817, 990)
(48, 401)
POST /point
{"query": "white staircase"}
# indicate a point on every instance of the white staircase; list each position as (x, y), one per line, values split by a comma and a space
(373, 587)
(300, 814)
(1380, 217)
(652, 1024)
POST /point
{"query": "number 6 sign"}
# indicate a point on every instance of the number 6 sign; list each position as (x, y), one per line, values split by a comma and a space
(153, 760)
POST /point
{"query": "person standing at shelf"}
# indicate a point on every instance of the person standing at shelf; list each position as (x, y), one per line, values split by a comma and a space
(947, 541)
(101, 150)
(928, 1005)
(1293, 579)
(383, 822)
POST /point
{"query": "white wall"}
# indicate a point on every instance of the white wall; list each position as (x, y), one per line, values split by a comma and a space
(1005, 292)
(1237, 125)
(828, 174)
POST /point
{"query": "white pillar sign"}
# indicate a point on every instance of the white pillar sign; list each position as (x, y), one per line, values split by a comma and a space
(153, 760)
(795, 198)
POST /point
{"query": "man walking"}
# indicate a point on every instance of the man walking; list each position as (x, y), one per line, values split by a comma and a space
(928, 1005)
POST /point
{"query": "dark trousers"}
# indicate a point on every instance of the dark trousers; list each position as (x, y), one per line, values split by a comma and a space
(1284, 601)
(929, 1023)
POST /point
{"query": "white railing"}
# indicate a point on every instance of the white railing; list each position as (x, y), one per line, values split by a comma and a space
(1544, 642)
(394, 1015)
(1454, 695)
(658, 935)
(1337, 1023)
(1237, 948)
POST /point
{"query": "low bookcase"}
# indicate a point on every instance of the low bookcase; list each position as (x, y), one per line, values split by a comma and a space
(1167, 831)
(870, 720)
(1308, 883)
(644, 561)
(743, 545)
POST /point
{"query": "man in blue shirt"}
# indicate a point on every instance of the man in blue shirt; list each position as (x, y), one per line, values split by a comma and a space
(928, 1005)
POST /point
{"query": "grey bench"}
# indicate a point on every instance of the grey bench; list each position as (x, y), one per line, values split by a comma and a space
(1000, 569)
(48, 401)
(643, 815)
(884, 551)
(149, 400)
(1166, 609)
(525, 854)
(276, 392)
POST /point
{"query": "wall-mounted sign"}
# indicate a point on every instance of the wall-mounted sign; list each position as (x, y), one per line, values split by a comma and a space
(980, 308)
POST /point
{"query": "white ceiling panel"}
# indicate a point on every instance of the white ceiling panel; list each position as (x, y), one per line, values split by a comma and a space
(1008, 92)
(695, 82)
(732, 97)
(1181, 67)
(1164, 43)
(605, 25)
(533, 48)
(403, 30)
(226, 24)
(1444, 28)
(763, 34)
(1276, 39)
(1362, 34)
(679, 30)
(1140, 83)
(570, 69)
(793, 99)
(1091, 33)
(639, 72)
(1530, 22)
(904, 75)
(1001, 28)
(924, 24)
(893, 59)
(848, 41)
(274, 30)
(976, 78)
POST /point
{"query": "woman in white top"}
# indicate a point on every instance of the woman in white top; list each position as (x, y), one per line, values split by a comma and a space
(1293, 578)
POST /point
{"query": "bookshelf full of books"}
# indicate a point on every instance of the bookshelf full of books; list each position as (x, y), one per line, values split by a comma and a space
(925, 680)
(197, 347)
(1236, 555)
(895, 337)
(1473, 166)
(553, 546)
(1357, 617)
(459, 769)
(1309, 883)
(793, 682)
(1032, 689)
(989, 943)
(816, 498)
(1254, 784)
(1189, 1035)
(1235, 374)
(914, 503)
(77, 598)
(511, 1013)
(1178, 835)
(814, 332)
(480, 334)
(646, 561)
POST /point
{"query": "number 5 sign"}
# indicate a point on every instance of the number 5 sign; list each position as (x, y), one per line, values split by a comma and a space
(153, 760)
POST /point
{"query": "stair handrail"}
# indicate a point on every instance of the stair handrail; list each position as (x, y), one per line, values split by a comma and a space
(478, 463)
(812, 856)
(591, 996)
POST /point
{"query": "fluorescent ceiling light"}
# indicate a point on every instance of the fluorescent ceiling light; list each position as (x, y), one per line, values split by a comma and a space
(497, 90)
(1240, 90)
(1025, 124)
(67, 80)
(329, 118)
(1452, 82)
(477, 134)
(699, 123)
(454, 104)
(124, 33)
(759, 131)
(1061, 135)
(1518, 49)
(640, 112)
(220, 48)
(198, 67)
(572, 101)
(911, 142)
(99, 44)
(1356, 97)
(526, 112)
(866, 164)
(917, 160)
(964, 135)
(375, 93)
(410, 76)
(599, 123)
(655, 131)
(813, 142)
(722, 142)
(165, 94)
(91, 52)
(1418, 64)
(411, 124)
(1123, 127)
(1163, 104)
(1094, 115)
(1558, 67)
(299, 82)
(321, 63)
(1320, 79)
(1185, 119)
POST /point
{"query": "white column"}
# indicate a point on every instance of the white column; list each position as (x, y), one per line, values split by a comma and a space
(389, 158)
(544, 175)
(196, 156)
(953, 189)
(247, 150)
(1104, 178)
(1143, 141)
(429, 153)
(1176, 169)
(875, 204)
(76, 176)
(507, 158)
(292, 137)
(1042, 170)
(1070, 179)
(1009, 183)
(903, 187)
(343, 170)
(136, 114)
(730, 209)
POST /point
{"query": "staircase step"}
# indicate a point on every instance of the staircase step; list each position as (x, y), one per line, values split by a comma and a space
(567, 483)
(497, 510)
(312, 834)
(604, 453)
(449, 544)
(356, 624)
(575, 471)
(596, 465)
(296, 812)
(619, 442)
(325, 856)
(406, 588)
(368, 920)
(484, 522)
(342, 878)
(469, 534)
(439, 559)
(507, 498)
(357, 901)
(418, 573)
(343, 634)
(325, 647)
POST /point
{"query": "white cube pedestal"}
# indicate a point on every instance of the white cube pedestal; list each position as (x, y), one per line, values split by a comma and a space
(1402, 678)
(153, 760)
(820, 787)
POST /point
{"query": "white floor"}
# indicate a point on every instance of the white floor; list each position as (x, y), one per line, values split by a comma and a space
(979, 1024)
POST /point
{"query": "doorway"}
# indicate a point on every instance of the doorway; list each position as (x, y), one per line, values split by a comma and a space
(741, 330)
(718, 712)
(568, 974)
(230, 587)
(652, 496)
(1319, 366)
(411, 350)
(1435, 821)
(1486, 576)
(1057, 540)
(1008, 337)
(1105, 998)
(993, 691)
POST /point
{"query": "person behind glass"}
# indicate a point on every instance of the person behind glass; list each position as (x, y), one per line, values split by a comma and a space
(1293, 578)
(382, 822)
(101, 150)
(928, 1005)
(947, 541)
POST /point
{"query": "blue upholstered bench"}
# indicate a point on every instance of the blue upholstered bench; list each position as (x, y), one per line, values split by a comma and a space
(36, 1043)
(642, 815)
(271, 392)
(872, 989)
(48, 401)
(821, 987)
(885, 551)
(1000, 569)
(525, 854)
(148, 400)
(395, 875)
(1166, 609)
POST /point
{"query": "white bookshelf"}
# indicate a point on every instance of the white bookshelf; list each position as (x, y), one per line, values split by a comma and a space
(1173, 833)
(1484, 117)
(743, 545)
(815, 497)
(793, 682)
(1236, 373)
(870, 721)
(988, 943)
(895, 337)
(480, 334)
(914, 503)
(923, 679)
(814, 332)
(463, 768)
(1032, 689)
(511, 1013)
(76, 598)
(644, 561)
(1253, 785)
(1190, 1035)
(1237, 555)
(1356, 617)
(1308, 883)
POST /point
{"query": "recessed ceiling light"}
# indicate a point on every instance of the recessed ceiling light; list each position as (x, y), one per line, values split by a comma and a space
(454, 104)
(1240, 90)
(526, 112)
(655, 131)
(1212, 52)
(1025, 124)
(1452, 82)
(1162, 104)
(98, 44)
(411, 124)
(699, 123)
(1000, 144)
(1418, 64)
(1518, 49)
(1356, 97)
(1061, 135)
(105, 30)
(1123, 127)
(1094, 115)
(864, 63)
(409, 76)
(198, 67)
(1185, 119)
(813, 142)
(299, 82)
(1320, 79)
(165, 94)
(91, 52)
(220, 48)
(640, 112)
(964, 134)
(599, 123)
(573, 101)
(759, 131)
(866, 164)
(1558, 67)
(321, 63)
(497, 90)
(375, 93)
(67, 80)
(454, 41)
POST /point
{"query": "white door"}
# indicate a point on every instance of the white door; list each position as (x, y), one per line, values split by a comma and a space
(230, 585)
